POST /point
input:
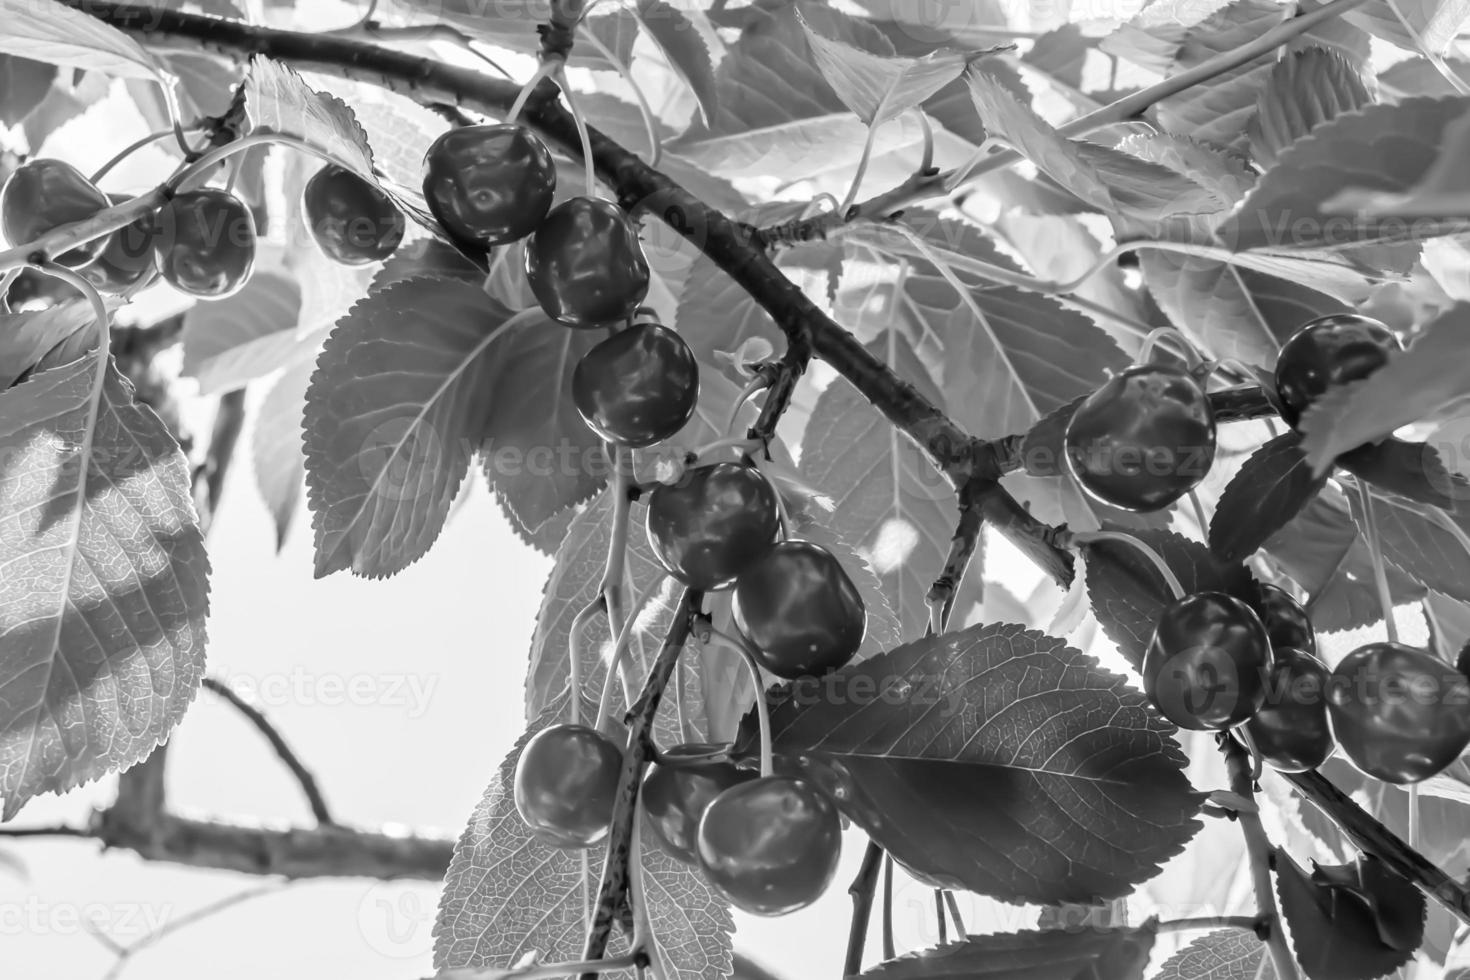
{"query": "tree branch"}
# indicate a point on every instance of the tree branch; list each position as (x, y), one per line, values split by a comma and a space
(288, 756)
(1261, 857)
(862, 889)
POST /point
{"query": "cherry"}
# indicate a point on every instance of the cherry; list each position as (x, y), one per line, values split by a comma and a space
(126, 259)
(1206, 665)
(803, 613)
(770, 846)
(1286, 622)
(675, 795)
(585, 264)
(1327, 352)
(1400, 714)
(1291, 731)
(44, 194)
(351, 219)
(566, 783)
(1142, 440)
(637, 387)
(713, 524)
(489, 185)
(205, 242)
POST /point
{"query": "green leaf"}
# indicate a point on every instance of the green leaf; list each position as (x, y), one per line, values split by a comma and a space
(275, 446)
(1054, 954)
(888, 499)
(1409, 469)
(103, 604)
(1059, 784)
(249, 335)
(1442, 196)
(508, 894)
(1218, 112)
(878, 89)
(1428, 380)
(26, 338)
(795, 148)
(1383, 148)
(1304, 90)
(1354, 922)
(45, 30)
(400, 398)
(1229, 954)
(1270, 489)
(1417, 76)
(277, 100)
(1421, 544)
(1432, 24)
(23, 84)
(1061, 54)
(686, 51)
(1128, 595)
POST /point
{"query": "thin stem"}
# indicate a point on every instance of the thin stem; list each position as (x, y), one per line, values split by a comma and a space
(1433, 57)
(861, 172)
(1199, 514)
(863, 886)
(762, 710)
(650, 123)
(1242, 922)
(757, 384)
(926, 159)
(1184, 348)
(544, 70)
(574, 654)
(620, 650)
(304, 778)
(587, 160)
(1380, 572)
(1261, 857)
(939, 916)
(129, 150)
(709, 450)
(889, 949)
(954, 913)
(1161, 566)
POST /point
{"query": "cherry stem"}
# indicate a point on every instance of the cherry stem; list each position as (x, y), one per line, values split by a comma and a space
(543, 70)
(861, 172)
(99, 308)
(954, 913)
(129, 150)
(762, 710)
(757, 384)
(574, 654)
(1260, 854)
(1199, 515)
(1162, 567)
(744, 443)
(890, 950)
(620, 650)
(1244, 923)
(787, 528)
(560, 75)
(650, 124)
(926, 159)
(1183, 347)
(1380, 572)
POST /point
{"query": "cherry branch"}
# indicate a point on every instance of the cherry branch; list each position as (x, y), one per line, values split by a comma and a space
(1261, 857)
(287, 755)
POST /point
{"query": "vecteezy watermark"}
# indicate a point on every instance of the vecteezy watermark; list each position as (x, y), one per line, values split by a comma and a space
(300, 687)
(33, 916)
(396, 919)
(858, 689)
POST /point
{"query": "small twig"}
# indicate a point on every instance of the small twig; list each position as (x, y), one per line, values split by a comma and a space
(962, 547)
(954, 913)
(126, 953)
(1242, 922)
(60, 830)
(283, 749)
(862, 889)
(1260, 855)
(890, 950)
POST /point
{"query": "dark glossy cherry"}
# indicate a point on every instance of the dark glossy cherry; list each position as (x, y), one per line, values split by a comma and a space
(1286, 622)
(126, 261)
(204, 243)
(43, 194)
(586, 265)
(1142, 440)
(637, 387)
(489, 185)
(1327, 352)
(1291, 730)
(352, 221)
(770, 846)
(801, 610)
(675, 796)
(1207, 663)
(713, 524)
(1400, 714)
(566, 783)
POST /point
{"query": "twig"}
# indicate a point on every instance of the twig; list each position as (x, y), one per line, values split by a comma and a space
(889, 949)
(256, 717)
(962, 546)
(1243, 922)
(862, 889)
(126, 953)
(1260, 855)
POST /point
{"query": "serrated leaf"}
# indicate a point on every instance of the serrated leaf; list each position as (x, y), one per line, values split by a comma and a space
(278, 100)
(1229, 954)
(1380, 148)
(1303, 91)
(1128, 594)
(44, 30)
(1218, 112)
(511, 25)
(508, 894)
(1053, 954)
(795, 148)
(538, 454)
(23, 84)
(399, 401)
(1409, 469)
(1059, 784)
(890, 501)
(1419, 543)
(25, 338)
(1417, 76)
(249, 335)
(1060, 53)
(1270, 489)
(275, 446)
(875, 88)
(103, 604)
(1441, 196)
(1432, 24)
(685, 49)
(1433, 375)
(1335, 932)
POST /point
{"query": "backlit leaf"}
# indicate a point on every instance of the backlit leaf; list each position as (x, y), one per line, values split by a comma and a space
(878, 89)
(1229, 954)
(44, 30)
(1270, 489)
(249, 335)
(1054, 954)
(1303, 91)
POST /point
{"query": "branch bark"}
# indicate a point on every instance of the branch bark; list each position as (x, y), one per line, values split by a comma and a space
(1261, 857)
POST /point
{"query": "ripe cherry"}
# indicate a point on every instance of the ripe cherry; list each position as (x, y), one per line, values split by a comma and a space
(713, 524)
(351, 219)
(1400, 714)
(1142, 440)
(1327, 352)
(675, 795)
(803, 613)
(1291, 731)
(566, 783)
(770, 846)
(489, 185)
(637, 387)
(43, 194)
(1206, 665)
(205, 242)
(1286, 622)
(126, 261)
(585, 264)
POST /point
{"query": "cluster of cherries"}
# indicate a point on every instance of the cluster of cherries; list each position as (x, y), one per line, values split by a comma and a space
(1216, 662)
